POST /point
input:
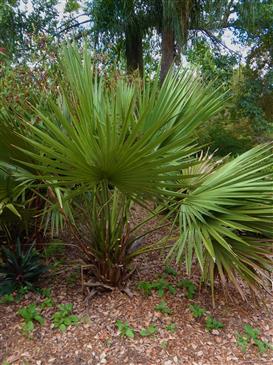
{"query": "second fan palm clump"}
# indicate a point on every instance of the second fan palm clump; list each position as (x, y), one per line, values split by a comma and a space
(114, 144)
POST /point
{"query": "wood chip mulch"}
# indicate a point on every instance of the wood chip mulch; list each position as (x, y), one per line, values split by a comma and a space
(95, 340)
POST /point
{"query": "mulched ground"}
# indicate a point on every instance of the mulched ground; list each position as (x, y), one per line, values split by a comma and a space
(95, 340)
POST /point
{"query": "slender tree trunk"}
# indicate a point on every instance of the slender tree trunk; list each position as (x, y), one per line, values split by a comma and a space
(134, 50)
(167, 50)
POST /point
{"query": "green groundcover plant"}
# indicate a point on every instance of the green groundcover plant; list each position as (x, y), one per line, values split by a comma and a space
(30, 314)
(149, 331)
(161, 285)
(64, 318)
(212, 324)
(251, 336)
(112, 143)
(163, 308)
(125, 329)
(196, 310)
(189, 286)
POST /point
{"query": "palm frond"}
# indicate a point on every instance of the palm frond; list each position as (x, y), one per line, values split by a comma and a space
(224, 219)
(135, 140)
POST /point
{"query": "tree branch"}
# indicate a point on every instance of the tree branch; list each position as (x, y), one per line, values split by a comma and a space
(71, 27)
(217, 41)
(72, 19)
(227, 13)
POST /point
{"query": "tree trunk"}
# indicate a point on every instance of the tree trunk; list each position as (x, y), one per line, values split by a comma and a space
(134, 50)
(167, 50)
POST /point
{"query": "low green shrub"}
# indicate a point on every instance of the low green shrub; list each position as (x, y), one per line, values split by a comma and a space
(171, 327)
(161, 286)
(7, 299)
(224, 141)
(47, 303)
(170, 271)
(44, 292)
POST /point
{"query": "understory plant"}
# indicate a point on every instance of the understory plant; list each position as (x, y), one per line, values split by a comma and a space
(212, 324)
(64, 318)
(149, 331)
(252, 336)
(125, 329)
(7, 299)
(26, 211)
(21, 269)
(170, 271)
(171, 327)
(30, 314)
(189, 286)
(13, 218)
(161, 285)
(163, 308)
(111, 144)
(196, 310)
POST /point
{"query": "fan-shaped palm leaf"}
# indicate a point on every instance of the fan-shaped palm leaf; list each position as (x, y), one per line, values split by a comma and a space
(137, 141)
(226, 219)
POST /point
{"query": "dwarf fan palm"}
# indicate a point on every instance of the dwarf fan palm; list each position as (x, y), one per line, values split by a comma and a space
(117, 143)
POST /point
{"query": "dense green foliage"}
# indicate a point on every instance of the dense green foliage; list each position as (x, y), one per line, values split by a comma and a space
(81, 143)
